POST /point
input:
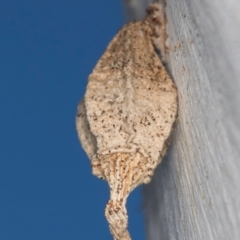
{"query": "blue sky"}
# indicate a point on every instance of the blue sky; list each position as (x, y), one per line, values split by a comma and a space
(47, 50)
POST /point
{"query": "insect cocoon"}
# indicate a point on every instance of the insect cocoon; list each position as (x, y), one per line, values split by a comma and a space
(127, 113)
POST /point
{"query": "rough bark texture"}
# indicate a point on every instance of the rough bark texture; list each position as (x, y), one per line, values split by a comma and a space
(195, 193)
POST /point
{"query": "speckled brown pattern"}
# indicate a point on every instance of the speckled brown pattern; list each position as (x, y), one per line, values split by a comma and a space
(127, 113)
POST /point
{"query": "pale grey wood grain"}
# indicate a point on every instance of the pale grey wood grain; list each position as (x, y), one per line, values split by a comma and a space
(195, 193)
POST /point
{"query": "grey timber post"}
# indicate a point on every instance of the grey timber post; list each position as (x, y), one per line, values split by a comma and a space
(195, 192)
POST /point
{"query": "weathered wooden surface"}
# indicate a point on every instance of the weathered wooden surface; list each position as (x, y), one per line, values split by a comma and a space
(195, 193)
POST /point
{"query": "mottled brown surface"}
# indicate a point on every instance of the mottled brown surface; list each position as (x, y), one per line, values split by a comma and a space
(127, 113)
